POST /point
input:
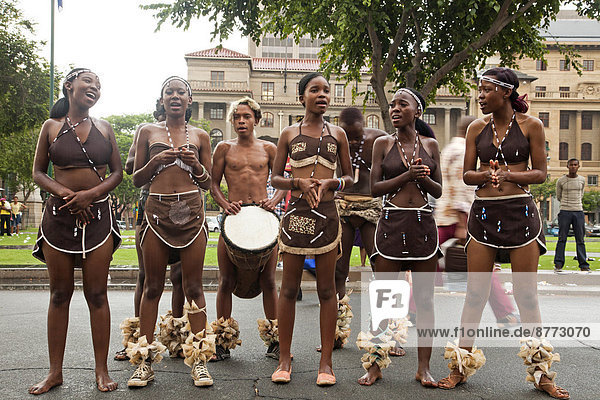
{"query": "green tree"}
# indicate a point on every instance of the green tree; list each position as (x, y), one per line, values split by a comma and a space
(421, 43)
(542, 193)
(591, 201)
(126, 194)
(24, 89)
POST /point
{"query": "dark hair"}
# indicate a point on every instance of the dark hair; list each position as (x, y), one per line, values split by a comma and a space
(159, 110)
(305, 79)
(61, 107)
(507, 75)
(351, 115)
(572, 159)
(423, 128)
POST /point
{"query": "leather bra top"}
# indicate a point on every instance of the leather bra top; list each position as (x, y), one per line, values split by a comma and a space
(515, 146)
(393, 164)
(303, 150)
(66, 152)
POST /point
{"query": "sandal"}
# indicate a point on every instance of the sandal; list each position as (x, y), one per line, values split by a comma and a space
(554, 390)
(280, 376)
(221, 354)
(451, 380)
(121, 355)
(397, 351)
(324, 379)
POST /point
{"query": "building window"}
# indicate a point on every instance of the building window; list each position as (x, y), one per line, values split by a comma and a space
(216, 111)
(429, 117)
(593, 180)
(540, 91)
(336, 120)
(564, 65)
(586, 120)
(564, 120)
(339, 95)
(216, 135)
(565, 92)
(541, 65)
(545, 118)
(267, 90)
(217, 79)
(586, 151)
(563, 151)
(588, 65)
(267, 120)
(371, 95)
(373, 121)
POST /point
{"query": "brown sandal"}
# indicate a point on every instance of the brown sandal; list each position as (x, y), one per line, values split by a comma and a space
(121, 355)
(451, 380)
(554, 390)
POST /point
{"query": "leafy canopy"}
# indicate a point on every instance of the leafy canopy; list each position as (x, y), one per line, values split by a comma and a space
(421, 43)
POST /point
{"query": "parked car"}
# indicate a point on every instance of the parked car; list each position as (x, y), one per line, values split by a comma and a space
(122, 225)
(213, 224)
(590, 230)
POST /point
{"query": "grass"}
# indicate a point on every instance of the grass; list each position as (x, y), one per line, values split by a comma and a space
(11, 257)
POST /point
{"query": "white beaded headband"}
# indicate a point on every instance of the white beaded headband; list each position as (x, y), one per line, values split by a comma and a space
(496, 82)
(176, 78)
(75, 74)
(404, 90)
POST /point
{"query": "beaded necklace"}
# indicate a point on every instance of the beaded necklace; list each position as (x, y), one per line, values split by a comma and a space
(408, 164)
(499, 151)
(357, 159)
(72, 128)
(318, 151)
(178, 162)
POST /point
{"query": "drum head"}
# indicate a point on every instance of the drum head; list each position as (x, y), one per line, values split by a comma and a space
(252, 229)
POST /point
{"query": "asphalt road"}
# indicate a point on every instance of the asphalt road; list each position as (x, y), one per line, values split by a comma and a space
(247, 374)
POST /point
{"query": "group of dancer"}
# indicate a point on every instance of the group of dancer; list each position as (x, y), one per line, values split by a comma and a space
(342, 179)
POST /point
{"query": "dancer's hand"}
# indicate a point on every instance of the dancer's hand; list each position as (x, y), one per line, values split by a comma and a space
(309, 187)
(189, 157)
(324, 186)
(85, 216)
(233, 207)
(166, 157)
(418, 170)
(78, 201)
(267, 204)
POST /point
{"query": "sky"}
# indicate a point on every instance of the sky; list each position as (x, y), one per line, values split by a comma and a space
(116, 40)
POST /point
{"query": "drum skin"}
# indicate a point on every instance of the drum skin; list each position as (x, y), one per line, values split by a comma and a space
(250, 238)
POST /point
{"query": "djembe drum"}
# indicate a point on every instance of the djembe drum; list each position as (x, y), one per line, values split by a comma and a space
(250, 237)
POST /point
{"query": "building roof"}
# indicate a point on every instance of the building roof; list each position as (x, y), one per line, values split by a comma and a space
(570, 27)
(218, 53)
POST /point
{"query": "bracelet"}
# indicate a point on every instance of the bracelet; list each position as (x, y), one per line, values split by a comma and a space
(294, 184)
(340, 184)
(204, 176)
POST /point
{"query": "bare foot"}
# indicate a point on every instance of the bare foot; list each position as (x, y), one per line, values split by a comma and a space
(373, 374)
(325, 369)
(425, 378)
(121, 355)
(104, 382)
(455, 378)
(553, 390)
(51, 381)
(397, 351)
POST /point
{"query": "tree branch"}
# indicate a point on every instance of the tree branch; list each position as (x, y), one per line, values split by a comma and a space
(500, 23)
(375, 45)
(411, 74)
(395, 46)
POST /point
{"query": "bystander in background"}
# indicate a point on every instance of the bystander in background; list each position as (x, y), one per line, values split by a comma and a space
(569, 191)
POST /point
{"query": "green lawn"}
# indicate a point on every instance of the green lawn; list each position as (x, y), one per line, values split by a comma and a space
(122, 256)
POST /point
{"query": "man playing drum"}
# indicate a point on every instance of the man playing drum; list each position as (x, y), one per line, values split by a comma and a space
(246, 163)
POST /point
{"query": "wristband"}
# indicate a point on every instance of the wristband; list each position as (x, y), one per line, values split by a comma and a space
(203, 177)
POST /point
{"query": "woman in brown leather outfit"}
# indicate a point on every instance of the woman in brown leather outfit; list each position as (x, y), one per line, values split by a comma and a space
(78, 228)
